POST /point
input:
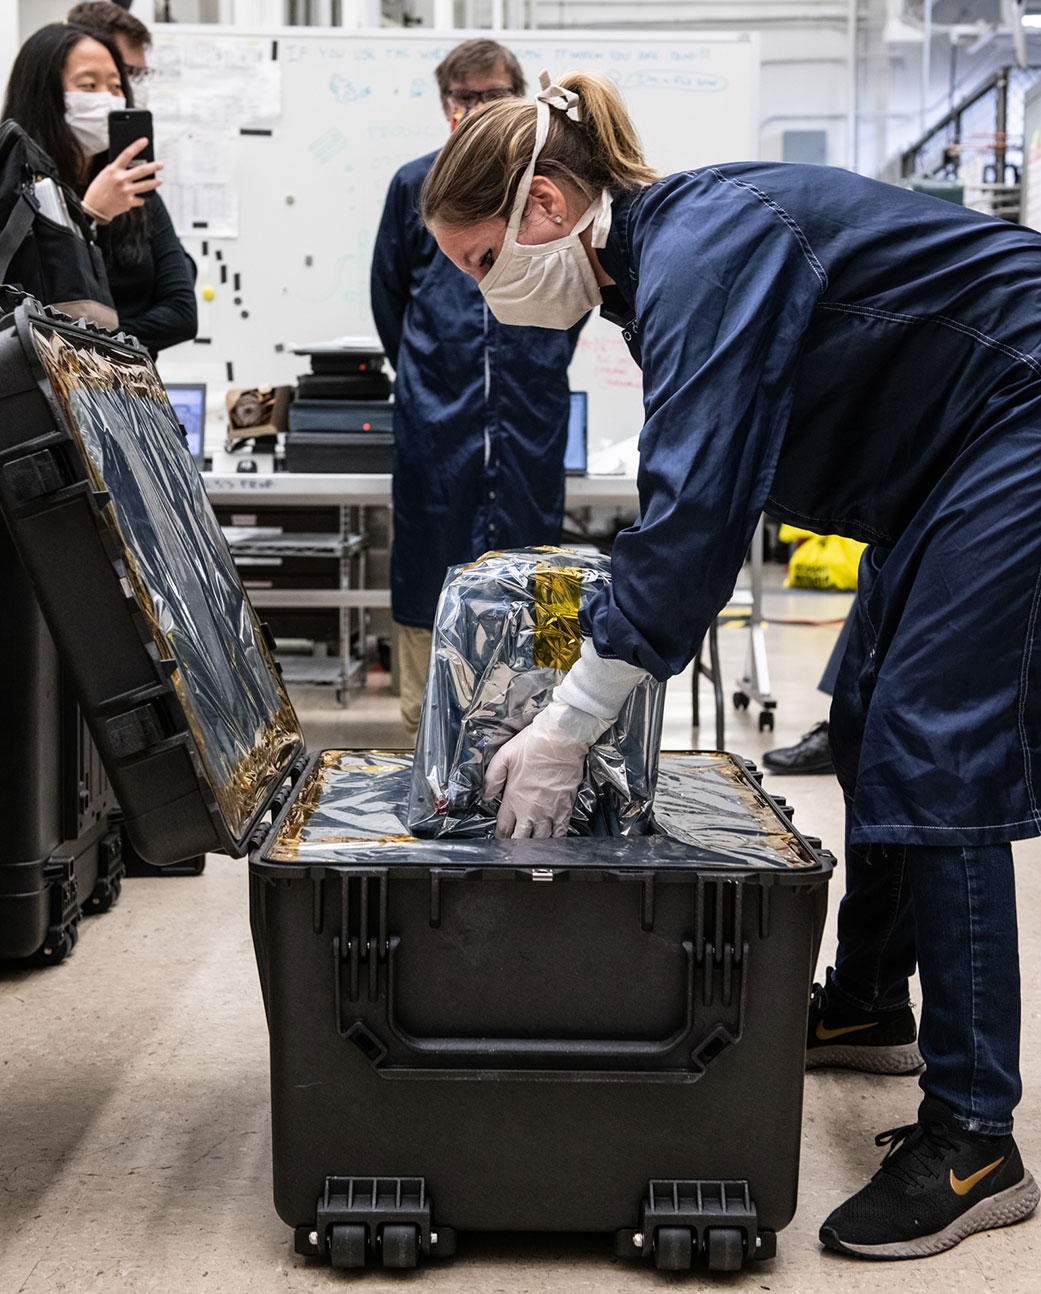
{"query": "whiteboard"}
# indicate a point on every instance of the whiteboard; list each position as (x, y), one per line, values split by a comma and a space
(333, 114)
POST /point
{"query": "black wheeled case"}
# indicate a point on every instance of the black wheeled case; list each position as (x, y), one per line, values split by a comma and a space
(589, 1034)
(594, 1033)
(61, 856)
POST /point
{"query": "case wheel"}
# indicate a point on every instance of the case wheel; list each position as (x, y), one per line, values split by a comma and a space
(400, 1246)
(766, 721)
(104, 894)
(55, 948)
(673, 1249)
(725, 1247)
(740, 701)
(347, 1245)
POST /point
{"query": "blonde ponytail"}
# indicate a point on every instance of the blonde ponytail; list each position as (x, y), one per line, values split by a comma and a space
(616, 145)
(477, 173)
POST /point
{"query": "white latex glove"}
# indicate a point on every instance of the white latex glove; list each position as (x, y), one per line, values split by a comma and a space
(542, 766)
(540, 769)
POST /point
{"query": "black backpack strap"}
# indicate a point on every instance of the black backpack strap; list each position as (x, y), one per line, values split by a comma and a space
(19, 222)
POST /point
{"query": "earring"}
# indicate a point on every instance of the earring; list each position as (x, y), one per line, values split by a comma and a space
(556, 220)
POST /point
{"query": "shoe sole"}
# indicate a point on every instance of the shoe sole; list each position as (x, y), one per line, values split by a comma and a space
(902, 1058)
(1001, 1210)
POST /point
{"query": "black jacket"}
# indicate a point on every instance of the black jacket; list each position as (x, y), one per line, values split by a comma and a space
(155, 298)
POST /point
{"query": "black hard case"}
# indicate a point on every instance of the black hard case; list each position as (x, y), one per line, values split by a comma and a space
(61, 855)
(589, 1034)
(536, 1035)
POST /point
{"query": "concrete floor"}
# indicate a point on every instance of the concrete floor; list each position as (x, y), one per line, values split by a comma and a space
(134, 1112)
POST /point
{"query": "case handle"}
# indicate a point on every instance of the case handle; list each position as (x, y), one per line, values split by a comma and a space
(678, 1056)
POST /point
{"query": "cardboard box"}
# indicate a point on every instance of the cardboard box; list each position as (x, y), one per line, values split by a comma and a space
(274, 402)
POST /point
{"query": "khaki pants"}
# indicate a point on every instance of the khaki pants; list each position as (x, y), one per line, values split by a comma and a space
(413, 659)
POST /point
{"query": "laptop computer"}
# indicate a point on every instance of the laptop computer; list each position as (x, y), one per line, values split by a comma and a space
(189, 404)
(576, 452)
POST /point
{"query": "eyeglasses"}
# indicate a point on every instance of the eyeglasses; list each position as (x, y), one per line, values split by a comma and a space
(140, 75)
(471, 98)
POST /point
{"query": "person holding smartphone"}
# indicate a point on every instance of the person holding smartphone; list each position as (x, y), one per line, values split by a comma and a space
(64, 84)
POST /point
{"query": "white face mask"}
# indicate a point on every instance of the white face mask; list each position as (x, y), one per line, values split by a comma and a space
(546, 285)
(86, 115)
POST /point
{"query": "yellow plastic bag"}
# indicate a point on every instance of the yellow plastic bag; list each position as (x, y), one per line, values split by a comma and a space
(821, 561)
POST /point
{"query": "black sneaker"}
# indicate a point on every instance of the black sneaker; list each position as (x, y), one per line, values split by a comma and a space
(937, 1185)
(810, 755)
(841, 1036)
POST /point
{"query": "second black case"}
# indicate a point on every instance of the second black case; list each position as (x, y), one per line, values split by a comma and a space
(61, 854)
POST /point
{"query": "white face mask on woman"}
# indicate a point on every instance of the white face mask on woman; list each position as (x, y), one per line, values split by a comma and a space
(546, 285)
(86, 115)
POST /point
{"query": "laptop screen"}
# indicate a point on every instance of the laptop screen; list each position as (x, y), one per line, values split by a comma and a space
(189, 406)
(576, 451)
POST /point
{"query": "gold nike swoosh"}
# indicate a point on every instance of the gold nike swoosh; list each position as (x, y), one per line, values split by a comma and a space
(824, 1035)
(963, 1186)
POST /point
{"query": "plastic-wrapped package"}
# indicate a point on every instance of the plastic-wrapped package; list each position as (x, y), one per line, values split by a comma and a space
(505, 634)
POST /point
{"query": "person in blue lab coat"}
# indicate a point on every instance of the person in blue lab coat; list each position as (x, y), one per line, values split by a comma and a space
(864, 361)
(480, 410)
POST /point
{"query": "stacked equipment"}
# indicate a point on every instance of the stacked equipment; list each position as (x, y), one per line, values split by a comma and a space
(342, 418)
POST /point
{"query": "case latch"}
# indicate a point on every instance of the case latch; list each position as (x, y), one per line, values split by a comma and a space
(134, 731)
(35, 475)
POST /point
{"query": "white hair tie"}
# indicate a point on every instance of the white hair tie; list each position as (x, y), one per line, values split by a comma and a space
(555, 97)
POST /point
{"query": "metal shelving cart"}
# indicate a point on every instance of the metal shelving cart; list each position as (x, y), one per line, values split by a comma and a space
(254, 547)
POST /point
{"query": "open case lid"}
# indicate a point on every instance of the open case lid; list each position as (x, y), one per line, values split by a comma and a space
(171, 666)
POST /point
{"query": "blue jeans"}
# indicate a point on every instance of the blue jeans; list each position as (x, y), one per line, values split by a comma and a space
(953, 909)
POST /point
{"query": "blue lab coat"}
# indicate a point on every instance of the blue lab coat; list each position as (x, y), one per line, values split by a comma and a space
(865, 361)
(480, 411)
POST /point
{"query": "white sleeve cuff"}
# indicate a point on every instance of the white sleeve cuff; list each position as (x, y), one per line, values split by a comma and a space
(598, 685)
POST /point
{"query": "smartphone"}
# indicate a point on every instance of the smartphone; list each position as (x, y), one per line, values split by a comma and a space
(127, 125)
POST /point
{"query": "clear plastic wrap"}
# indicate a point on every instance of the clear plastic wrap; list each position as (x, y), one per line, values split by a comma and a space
(351, 808)
(505, 634)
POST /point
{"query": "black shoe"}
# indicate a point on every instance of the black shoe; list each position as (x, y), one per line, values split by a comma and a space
(937, 1185)
(810, 755)
(841, 1036)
